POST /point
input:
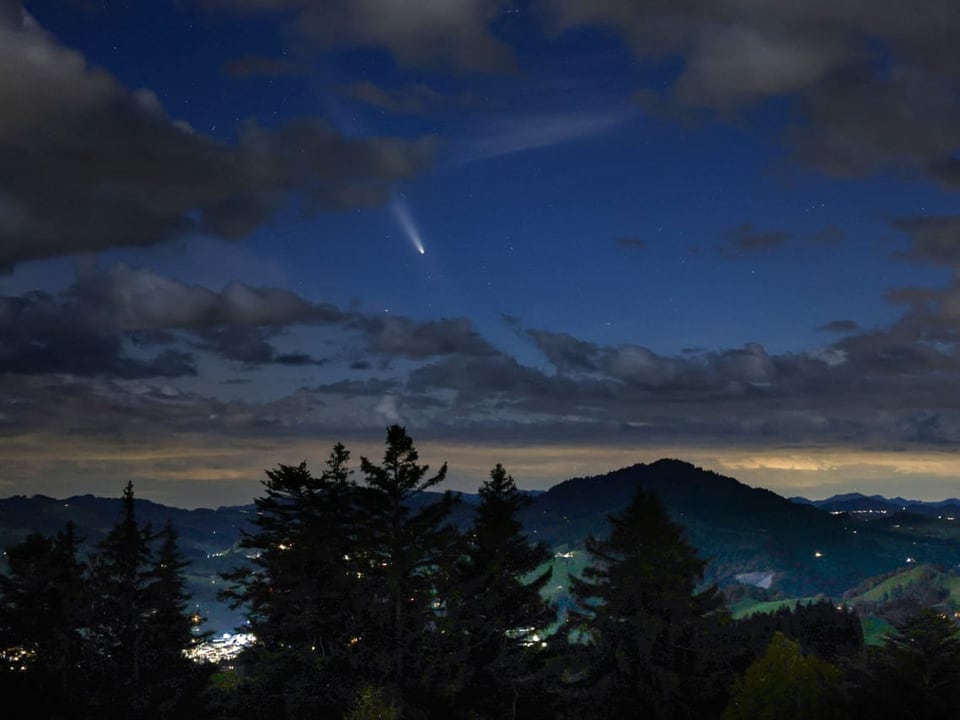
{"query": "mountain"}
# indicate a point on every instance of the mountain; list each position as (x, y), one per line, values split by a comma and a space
(745, 532)
(865, 504)
(750, 536)
(208, 537)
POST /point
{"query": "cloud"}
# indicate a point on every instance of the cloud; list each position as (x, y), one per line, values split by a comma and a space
(124, 298)
(88, 354)
(411, 99)
(875, 83)
(745, 240)
(934, 239)
(520, 133)
(840, 326)
(398, 336)
(870, 388)
(249, 346)
(104, 323)
(859, 122)
(98, 166)
(565, 352)
(450, 35)
(631, 243)
(107, 315)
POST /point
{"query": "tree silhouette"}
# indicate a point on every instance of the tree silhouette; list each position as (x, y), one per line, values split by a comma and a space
(785, 684)
(41, 622)
(917, 672)
(119, 609)
(407, 554)
(639, 612)
(172, 683)
(300, 594)
(500, 614)
(105, 638)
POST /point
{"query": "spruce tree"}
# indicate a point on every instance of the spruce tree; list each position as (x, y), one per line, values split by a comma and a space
(173, 683)
(917, 671)
(41, 620)
(407, 550)
(501, 616)
(119, 610)
(640, 612)
(299, 595)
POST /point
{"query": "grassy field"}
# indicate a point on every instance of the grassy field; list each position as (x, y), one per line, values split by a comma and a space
(746, 607)
(875, 630)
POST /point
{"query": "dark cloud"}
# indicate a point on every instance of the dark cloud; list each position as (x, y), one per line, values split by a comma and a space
(875, 81)
(401, 337)
(637, 367)
(932, 315)
(934, 238)
(251, 66)
(410, 99)
(565, 352)
(91, 406)
(859, 122)
(86, 165)
(430, 35)
(104, 312)
(249, 346)
(745, 239)
(88, 354)
(828, 235)
(354, 387)
(631, 243)
(865, 388)
(870, 387)
(134, 299)
(103, 323)
(495, 381)
(840, 326)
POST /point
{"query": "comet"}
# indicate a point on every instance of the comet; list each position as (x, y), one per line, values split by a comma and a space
(401, 213)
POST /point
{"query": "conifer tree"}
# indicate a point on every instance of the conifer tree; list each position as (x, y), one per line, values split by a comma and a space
(300, 595)
(407, 554)
(119, 608)
(501, 615)
(917, 671)
(640, 611)
(173, 683)
(41, 617)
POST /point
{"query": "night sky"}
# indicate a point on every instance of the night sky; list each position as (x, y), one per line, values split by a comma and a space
(564, 235)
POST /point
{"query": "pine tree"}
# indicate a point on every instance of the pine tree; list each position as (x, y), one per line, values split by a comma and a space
(119, 609)
(173, 683)
(501, 614)
(640, 612)
(407, 557)
(300, 594)
(917, 671)
(41, 618)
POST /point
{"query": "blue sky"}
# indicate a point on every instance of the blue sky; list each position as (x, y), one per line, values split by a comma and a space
(723, 232)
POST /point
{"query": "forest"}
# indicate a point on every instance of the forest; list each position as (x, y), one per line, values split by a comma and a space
(367, 602)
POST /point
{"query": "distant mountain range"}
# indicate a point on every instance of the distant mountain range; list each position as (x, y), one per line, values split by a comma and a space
(751, 536)
(860, 503)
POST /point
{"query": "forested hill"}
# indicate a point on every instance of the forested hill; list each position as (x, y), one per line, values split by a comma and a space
(750, 535)
(740, 529)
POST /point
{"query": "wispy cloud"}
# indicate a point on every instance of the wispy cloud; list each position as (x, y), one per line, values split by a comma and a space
(521, 133)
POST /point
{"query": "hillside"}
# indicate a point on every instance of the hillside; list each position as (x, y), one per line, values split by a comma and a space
(751, 536)
(746, 533)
